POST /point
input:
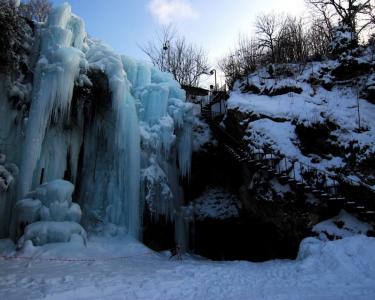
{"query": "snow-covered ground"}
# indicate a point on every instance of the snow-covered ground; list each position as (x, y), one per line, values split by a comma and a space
(125, 269)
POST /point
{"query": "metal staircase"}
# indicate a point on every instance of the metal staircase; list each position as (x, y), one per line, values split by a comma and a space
(332, 189)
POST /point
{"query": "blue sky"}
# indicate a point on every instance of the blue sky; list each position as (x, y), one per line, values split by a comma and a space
(213, 24)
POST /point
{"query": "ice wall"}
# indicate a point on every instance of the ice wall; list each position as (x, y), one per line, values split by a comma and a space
(121, 152)
(115, 141)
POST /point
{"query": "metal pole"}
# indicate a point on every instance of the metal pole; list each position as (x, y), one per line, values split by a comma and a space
(213, 72)
(215, 81)
(359, 115)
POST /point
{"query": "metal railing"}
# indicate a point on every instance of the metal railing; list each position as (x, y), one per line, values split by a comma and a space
(331, 186)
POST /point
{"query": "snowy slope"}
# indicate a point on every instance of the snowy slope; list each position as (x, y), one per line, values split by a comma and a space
(273, 116)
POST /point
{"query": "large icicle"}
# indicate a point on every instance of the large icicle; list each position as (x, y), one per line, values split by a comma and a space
(57, 68)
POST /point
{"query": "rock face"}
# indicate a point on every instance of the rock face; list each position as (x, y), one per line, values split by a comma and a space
(270, 220)
(310, 117)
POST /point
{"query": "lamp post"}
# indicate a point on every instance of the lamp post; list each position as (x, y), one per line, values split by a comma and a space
(212, 72)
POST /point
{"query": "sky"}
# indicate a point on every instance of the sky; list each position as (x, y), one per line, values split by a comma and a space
(214, 25)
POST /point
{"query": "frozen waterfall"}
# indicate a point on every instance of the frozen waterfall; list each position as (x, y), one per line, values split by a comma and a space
(118, 129)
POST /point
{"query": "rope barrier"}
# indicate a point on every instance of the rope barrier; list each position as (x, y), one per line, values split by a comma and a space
(60, 259)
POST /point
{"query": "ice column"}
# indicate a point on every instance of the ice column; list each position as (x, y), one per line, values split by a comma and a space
(58, 67)
(122, 209)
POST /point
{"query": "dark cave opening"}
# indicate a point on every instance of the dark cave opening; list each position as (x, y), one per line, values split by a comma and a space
(254, 236)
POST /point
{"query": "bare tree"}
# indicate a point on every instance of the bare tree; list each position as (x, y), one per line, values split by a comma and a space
(319, 36)
(354, 14)
(248, 54)
(246, 58)
(173, 54)
(231, 67)
(36, 10)
(291, 42)
(267, 28)
(13, 32)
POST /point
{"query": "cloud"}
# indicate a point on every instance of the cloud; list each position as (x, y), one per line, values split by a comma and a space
(167, 11)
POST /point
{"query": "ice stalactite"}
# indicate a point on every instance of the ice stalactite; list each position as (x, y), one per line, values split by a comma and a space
(121, 200)
(58, 67)
(166, 121)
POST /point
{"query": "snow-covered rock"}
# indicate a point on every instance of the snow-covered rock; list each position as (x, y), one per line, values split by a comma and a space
(341, 226)
(319, 127)
(215, 203)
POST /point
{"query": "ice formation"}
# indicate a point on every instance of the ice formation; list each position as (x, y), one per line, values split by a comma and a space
(48, 215)
(113, 149)
(8, 173)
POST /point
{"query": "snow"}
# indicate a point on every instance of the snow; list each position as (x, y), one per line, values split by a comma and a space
(159, 196)
(202, 135)
(341, 226)
(124, 269)
(214, 203)
(280, 136)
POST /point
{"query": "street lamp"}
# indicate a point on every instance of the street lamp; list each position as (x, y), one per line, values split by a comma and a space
(212, 72)
(166, 45)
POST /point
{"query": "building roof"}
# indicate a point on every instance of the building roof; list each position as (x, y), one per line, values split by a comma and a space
(197, 91)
